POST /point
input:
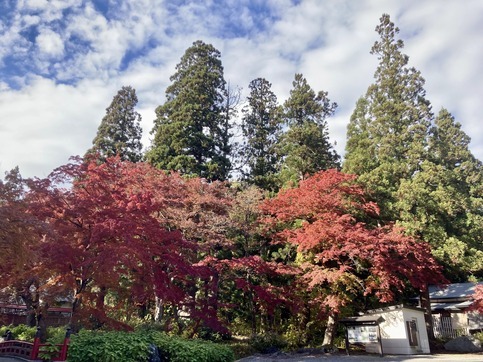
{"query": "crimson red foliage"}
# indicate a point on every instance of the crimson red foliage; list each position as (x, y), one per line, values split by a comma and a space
(119, 233)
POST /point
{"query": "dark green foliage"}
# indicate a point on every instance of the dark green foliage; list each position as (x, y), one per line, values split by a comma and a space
(89, 346)
(305, 146)
(387, 133)
(419, 169)
(180, 350)
(267, 343)
(191, 131)
(56, 335)
(120, 131)
(443, 202)
(261, 128)
(108, 347)
(241, 348)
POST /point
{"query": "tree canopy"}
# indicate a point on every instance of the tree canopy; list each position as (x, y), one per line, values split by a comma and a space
(191, 128)
(342, 257)
(111, 244)
(387, 133)
(120, 131)
(261, 128)
(417, 166)
(306, 148)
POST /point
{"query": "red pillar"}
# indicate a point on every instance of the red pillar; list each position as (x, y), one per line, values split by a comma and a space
(65, 346)
(36, 346)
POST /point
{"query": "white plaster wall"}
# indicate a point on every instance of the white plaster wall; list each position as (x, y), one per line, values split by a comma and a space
(394, 336)
(409, 314)
(459, 320)
(393, 333)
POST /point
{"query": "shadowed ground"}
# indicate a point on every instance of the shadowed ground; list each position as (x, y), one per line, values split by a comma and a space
(474, 357)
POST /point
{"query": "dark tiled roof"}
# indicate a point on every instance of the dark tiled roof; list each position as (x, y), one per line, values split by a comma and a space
(452, 291)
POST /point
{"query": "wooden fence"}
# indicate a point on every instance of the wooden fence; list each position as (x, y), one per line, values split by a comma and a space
(443, 328)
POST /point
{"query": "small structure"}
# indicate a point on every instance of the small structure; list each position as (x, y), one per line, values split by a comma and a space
(449, 307)
(16, 314)
(394, 330)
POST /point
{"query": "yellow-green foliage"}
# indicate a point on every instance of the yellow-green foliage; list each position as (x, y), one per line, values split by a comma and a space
(20, 332)
(55, 335)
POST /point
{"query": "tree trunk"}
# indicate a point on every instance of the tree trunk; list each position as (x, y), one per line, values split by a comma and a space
(76, 304)
(41, 323)
(330, 331)
(28, 291)
(428, 317)
(253, 313)
(158, 309)
(303, 334)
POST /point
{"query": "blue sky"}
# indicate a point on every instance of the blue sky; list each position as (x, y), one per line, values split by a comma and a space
(62, 61)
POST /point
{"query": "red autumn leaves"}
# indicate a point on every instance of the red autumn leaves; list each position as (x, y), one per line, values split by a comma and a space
(121, 236)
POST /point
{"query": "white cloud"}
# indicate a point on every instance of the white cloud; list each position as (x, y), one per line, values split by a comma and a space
(50, 10)
(139, 42)
(50, 44)
(44, 124)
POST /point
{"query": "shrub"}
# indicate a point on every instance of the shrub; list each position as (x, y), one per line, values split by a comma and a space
(98, 346)
(56, 335)
(20, 332)
(210, 334)
(267, 343)
(479, 336)
(240, 348)
(4, 329)
(180, 350)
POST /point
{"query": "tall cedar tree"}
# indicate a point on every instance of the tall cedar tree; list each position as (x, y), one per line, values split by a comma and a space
(443, 202)
(342, 259)
(191, 131)
(120, 131)
(306, 146)
(387, 133)
(113, 246)
(261, 129)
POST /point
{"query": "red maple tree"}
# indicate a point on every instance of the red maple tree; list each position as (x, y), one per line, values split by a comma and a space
(116, 240)
(343, 254)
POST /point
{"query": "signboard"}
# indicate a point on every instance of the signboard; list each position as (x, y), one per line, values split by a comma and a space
(362, 334)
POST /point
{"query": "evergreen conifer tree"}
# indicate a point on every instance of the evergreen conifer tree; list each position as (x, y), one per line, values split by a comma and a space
(443, 202)
(120, 131)
(191, 128)
(305, 146)
(387, 133)
(418, 167)
(261, 129)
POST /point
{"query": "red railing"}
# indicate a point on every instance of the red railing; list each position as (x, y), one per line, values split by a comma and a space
(34, 351)
(16, 348)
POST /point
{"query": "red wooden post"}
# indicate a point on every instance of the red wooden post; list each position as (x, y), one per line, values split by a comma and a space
(36, 346)
(65, 346)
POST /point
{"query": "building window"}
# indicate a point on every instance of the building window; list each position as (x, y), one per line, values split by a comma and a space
(412, 328)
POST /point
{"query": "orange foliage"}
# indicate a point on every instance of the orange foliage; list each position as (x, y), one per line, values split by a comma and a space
(343, 253)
